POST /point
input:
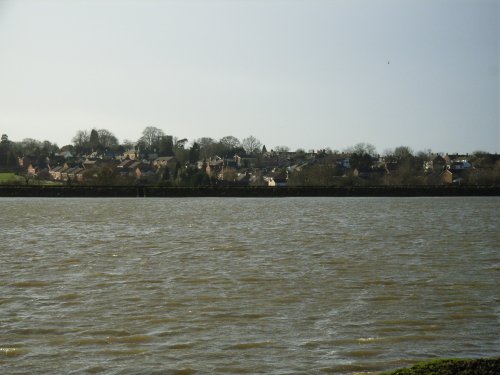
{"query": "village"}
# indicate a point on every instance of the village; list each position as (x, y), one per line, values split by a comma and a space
(96, 158)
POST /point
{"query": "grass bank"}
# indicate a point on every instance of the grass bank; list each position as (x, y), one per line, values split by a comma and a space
(9, 178)
(452, 367)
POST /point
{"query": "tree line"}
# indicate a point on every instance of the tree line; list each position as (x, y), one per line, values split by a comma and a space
(407, 165)
(153, 140)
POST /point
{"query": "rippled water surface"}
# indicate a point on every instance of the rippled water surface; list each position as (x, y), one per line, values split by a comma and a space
(246, 286)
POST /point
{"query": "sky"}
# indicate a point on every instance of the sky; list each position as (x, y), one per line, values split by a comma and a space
(305, 74)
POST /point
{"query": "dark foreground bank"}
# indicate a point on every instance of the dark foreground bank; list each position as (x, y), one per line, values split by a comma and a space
(452, 367)
(247, 191)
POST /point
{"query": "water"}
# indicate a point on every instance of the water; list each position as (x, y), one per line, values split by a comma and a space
(246, 286)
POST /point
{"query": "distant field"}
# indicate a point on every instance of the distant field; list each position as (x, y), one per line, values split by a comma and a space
(9, 177)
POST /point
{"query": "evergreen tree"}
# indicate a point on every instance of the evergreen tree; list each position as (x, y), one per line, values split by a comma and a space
(194, 153)
(166, 146)
(94, 139)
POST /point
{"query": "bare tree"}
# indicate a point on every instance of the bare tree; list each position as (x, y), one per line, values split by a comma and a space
(251, 144)
(128, 144)
(207, 147)
(280, 149)
(106, 138)
(230, 142)
(363, 149)
(151, 137)
(81, 139)
(403, 152)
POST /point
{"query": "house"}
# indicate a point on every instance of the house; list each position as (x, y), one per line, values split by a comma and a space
(55, 173)
(80, 175)
(344, 163)
(143, 170)
(246, 178)
(111, 155)
(237, 160)
(130, 154)
(440, 177)
(25, 161)
(370, 172)
(31, 170)
(460, 165)
(73, 173)
(126, 167)
(277, 179)
(64, 155)
(214, 166)
(151, 156)
(165, 161)
(59, 172)
(234, 162)
(227, 174)
(249, 162)
(392, 167)
(447, 177)
(362, 172)
(437, 164)
(91, 163)
(65, 172)
(297, 167)
(126, 163)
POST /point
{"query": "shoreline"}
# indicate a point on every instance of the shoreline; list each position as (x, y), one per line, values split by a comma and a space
(457, 366)
(144, 191)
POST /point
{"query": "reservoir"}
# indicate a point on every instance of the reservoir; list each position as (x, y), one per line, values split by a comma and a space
(246, 285)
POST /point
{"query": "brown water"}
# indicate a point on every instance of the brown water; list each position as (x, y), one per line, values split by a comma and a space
(246, 286)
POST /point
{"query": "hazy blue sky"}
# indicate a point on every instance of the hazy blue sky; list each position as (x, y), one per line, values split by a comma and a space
(310, 74)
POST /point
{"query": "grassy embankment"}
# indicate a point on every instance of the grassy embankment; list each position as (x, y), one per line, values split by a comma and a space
(10, 178)
(482, 366)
